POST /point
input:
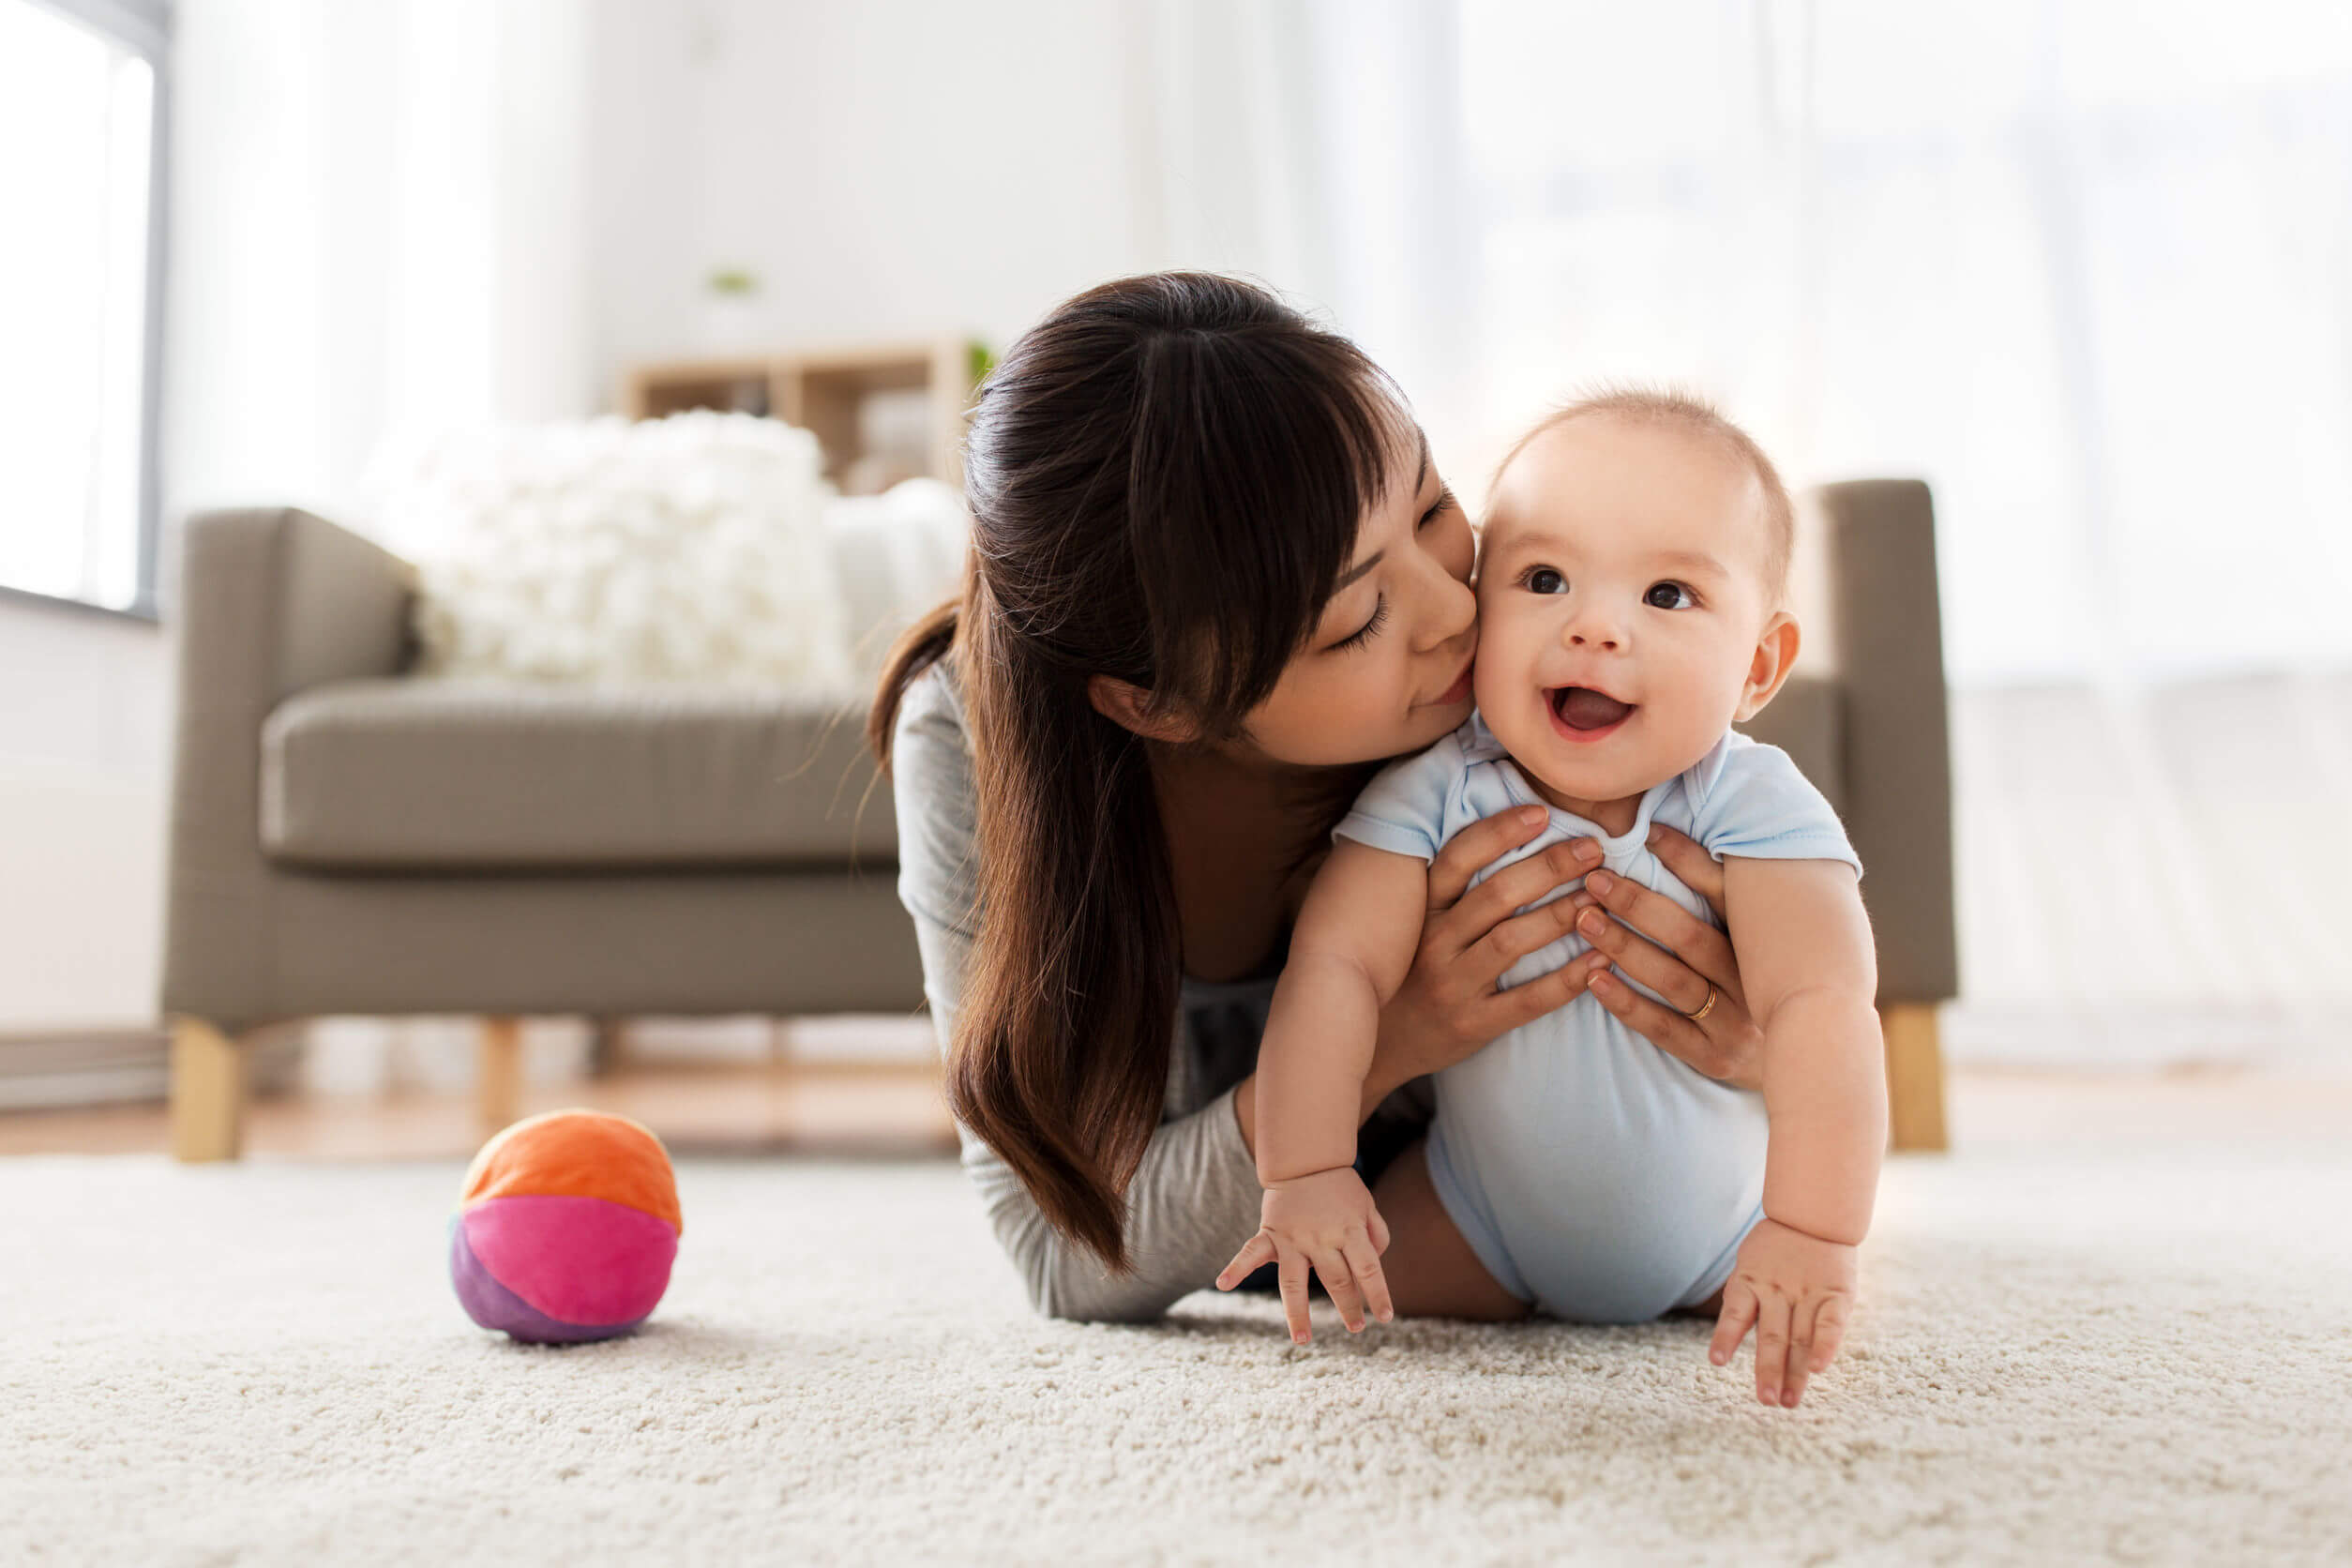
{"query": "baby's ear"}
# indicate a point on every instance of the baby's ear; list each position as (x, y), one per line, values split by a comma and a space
(1775, 654)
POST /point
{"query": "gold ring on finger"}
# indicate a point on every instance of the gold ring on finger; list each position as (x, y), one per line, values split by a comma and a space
(1706, 1007)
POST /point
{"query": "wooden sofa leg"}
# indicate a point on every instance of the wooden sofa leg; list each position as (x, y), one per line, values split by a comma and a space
(207, 1092)
(498, 1088)
(1915, 1077)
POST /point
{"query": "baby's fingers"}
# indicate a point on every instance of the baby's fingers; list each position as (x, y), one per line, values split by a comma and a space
(1292, 1276)
(1339, 1284)
(1800, 1326)
(1256, 1254)
(1772, 1347)
(1374, 1284)
(1829, 1332)
(1733, 1322)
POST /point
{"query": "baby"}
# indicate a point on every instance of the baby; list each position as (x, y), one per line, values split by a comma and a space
(1631, 584)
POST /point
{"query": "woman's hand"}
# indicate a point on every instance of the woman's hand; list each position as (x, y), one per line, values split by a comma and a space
(1448, 1007)
(1680, 957)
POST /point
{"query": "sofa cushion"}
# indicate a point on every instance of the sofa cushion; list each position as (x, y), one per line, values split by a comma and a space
(1807, 720)
(421, 774)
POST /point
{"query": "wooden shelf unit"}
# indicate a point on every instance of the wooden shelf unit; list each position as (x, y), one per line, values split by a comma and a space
(824, 391)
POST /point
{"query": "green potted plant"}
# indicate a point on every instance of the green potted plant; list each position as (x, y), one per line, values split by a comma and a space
(731, 310)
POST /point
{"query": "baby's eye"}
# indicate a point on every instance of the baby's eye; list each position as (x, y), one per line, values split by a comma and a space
(1670, 590)
(1543, 579)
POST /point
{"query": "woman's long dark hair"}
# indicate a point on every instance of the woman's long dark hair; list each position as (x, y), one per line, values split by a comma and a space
(1164, 477)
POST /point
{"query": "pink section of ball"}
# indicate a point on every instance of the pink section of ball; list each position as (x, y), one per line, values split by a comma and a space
(579, 1260)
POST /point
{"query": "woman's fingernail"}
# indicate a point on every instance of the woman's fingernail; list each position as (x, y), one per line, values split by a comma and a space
(1590, 923)
(1585, 850)
(1532, 815)
(1600, 881)
(1600, 981)
(1656, 834)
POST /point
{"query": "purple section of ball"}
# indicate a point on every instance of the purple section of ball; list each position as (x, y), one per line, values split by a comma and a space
(492, 1306)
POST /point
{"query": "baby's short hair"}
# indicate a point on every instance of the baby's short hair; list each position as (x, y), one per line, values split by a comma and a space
(1654, 405)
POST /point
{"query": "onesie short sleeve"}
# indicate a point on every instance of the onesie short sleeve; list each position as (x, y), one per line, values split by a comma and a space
(1749, 799)
(1403, 809)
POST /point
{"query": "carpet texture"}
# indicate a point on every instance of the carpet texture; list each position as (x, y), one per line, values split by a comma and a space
(2141, 1356)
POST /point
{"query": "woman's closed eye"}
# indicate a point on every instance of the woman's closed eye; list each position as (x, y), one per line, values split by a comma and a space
(1371, 628)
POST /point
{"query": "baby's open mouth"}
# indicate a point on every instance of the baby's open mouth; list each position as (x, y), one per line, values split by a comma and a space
(1583, 708)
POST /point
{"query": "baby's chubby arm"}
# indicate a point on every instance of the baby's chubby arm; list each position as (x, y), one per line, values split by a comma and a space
(1812, 976)
(1351, 949)
(1349, 952)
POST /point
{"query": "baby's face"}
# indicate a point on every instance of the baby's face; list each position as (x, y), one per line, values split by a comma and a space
(1620, 601)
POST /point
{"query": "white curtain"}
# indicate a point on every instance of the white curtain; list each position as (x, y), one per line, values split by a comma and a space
(378, 232)
(2084, 265)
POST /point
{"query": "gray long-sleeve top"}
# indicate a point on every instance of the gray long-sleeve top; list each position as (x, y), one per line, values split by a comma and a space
(1195, 1198)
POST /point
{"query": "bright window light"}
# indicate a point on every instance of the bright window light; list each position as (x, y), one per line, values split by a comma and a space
(76, 114)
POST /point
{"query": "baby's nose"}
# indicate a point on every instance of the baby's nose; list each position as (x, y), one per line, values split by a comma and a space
(1588, 631)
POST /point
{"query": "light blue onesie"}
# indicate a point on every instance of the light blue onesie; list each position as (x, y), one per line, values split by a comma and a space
(1593, 1174)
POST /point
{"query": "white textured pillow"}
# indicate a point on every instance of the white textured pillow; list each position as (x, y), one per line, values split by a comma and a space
(610, 551)
(898, 554)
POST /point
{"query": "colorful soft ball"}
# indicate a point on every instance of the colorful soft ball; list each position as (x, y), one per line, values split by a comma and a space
(567, 1227)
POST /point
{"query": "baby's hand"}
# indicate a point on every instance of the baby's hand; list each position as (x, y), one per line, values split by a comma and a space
(1797, 1292)
(1327, 1221)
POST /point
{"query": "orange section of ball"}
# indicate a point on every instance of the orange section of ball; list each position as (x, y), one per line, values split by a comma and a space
(578, 1154)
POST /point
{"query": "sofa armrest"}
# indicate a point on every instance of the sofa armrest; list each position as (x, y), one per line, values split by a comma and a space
(270, 601)
(1880, 539)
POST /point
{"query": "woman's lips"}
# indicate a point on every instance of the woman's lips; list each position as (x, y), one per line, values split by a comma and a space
(1459, 691)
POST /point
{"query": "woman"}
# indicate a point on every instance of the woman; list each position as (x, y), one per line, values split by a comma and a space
(1214, 584)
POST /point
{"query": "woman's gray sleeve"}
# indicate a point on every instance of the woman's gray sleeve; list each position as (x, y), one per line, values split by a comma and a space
(1194, 1200)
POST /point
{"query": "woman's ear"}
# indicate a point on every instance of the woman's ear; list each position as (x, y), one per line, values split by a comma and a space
(1129, 706)
(1775, 653)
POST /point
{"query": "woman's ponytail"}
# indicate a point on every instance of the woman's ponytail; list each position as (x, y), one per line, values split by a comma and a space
(1062, 1071)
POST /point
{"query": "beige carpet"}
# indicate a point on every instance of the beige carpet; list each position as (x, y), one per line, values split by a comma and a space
(2137, 1355)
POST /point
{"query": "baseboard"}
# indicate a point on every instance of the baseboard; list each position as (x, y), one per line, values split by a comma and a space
(56, 1068)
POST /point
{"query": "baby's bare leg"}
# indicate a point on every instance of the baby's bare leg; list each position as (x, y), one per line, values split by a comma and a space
(1431, 1271)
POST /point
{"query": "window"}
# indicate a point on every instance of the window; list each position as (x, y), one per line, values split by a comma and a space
(82, 94)
(2081, 265)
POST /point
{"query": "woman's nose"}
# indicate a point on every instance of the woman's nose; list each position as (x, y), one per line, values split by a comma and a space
(1452, 607)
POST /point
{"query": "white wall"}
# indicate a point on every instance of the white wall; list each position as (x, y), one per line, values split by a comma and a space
(888, 169)
(82, 805)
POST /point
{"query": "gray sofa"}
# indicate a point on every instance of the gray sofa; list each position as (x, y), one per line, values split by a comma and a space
(346, 838)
